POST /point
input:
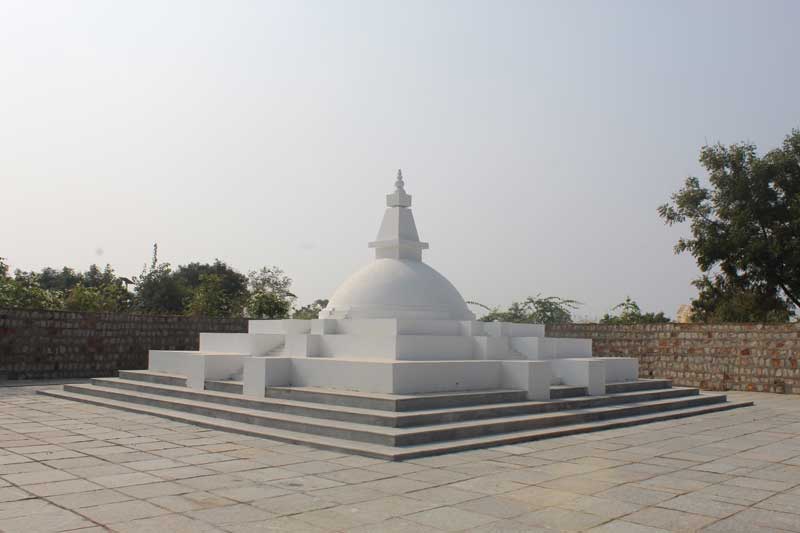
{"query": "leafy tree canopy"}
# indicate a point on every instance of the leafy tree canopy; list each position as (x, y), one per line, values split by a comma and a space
(211, 299)
(745, 232)
(158, 290)
(310, 311)
(93, 290)
(534, 310)
(628, 312)
(232, 283)
(270, 297)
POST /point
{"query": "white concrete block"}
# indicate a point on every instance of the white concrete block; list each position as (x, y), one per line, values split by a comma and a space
(366, 376)
(254, 380)
(303, 345)
(296, 327)
(370, 327)
(530, 347)
(620, 369)
(395, 377)
(581, 372)
(263, 372)
(531, 376)
(223, 366)
(433, 347)
(358, 346)
(472, 328)
(567, 347)
(491, 347)
(508, 329)
(415, 377)
(188, 364)
(324, 326)
(265, 326)
(279, 371)
(255, 344)
(428, 327)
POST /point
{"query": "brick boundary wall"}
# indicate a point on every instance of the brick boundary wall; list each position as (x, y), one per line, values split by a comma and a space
(749, 357)
(63, 344)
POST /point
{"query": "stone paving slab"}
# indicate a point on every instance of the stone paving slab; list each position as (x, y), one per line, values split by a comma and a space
(68, 466)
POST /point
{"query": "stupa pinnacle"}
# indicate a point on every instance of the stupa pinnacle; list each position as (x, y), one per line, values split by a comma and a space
(397, 284)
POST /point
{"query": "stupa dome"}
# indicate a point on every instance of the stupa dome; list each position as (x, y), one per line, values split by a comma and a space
(398, 288)
(397, 284)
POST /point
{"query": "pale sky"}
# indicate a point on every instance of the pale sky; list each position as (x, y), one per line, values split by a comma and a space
(537, 138)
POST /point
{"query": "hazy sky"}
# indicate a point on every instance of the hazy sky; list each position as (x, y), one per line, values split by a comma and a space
(537, 138)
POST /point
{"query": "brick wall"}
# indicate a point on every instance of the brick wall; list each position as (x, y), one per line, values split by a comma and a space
(60, 344)
(752, 357)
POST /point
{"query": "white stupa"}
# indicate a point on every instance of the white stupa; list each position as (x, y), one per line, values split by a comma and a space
(396, 367)
(397, 326)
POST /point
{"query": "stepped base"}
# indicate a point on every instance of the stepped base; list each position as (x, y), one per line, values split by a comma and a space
(391, 426)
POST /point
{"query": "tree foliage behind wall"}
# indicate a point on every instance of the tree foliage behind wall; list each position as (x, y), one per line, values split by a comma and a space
(533, 310)
(745, 232)
(198, 289)
(628, 312)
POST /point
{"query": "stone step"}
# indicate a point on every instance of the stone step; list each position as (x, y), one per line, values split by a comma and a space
(229, 386)
(151, 376)
(390, 418)
(391, 436)
(395, 402)
(566, 391)
(639, 385)
(389, 452)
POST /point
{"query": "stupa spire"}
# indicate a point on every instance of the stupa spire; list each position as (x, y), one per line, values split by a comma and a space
(397, 237)
(399, 198)
(398, 184)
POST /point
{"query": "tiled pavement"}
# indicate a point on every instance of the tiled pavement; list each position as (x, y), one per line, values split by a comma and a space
(72, 466)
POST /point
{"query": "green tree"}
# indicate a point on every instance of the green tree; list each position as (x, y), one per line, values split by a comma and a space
(534, 310)
(25, 293)
(159, 291)
(110, 297)
(310, 311)
(269, 296)
(58, 280)
(745, 231)
(232, 283)
(727, 300)
(628, 312)
(211, 300)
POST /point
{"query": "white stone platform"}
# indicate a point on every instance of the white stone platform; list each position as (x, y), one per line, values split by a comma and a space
(395, 356)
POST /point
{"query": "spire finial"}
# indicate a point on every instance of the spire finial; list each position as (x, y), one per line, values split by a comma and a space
(398, 198)
(399, 184)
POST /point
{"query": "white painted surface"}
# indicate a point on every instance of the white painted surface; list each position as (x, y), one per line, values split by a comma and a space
(492, 348)
(279, 371)
(581, 372)
(190, 365)
(531, 376)
(254, 380)
(223, 366)
(396, 377)
(433, 347)
(358, 346)
(441, 376)
(303, 345)
(366, 376)
(507, 329)
(243, 343)
(620, 369)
